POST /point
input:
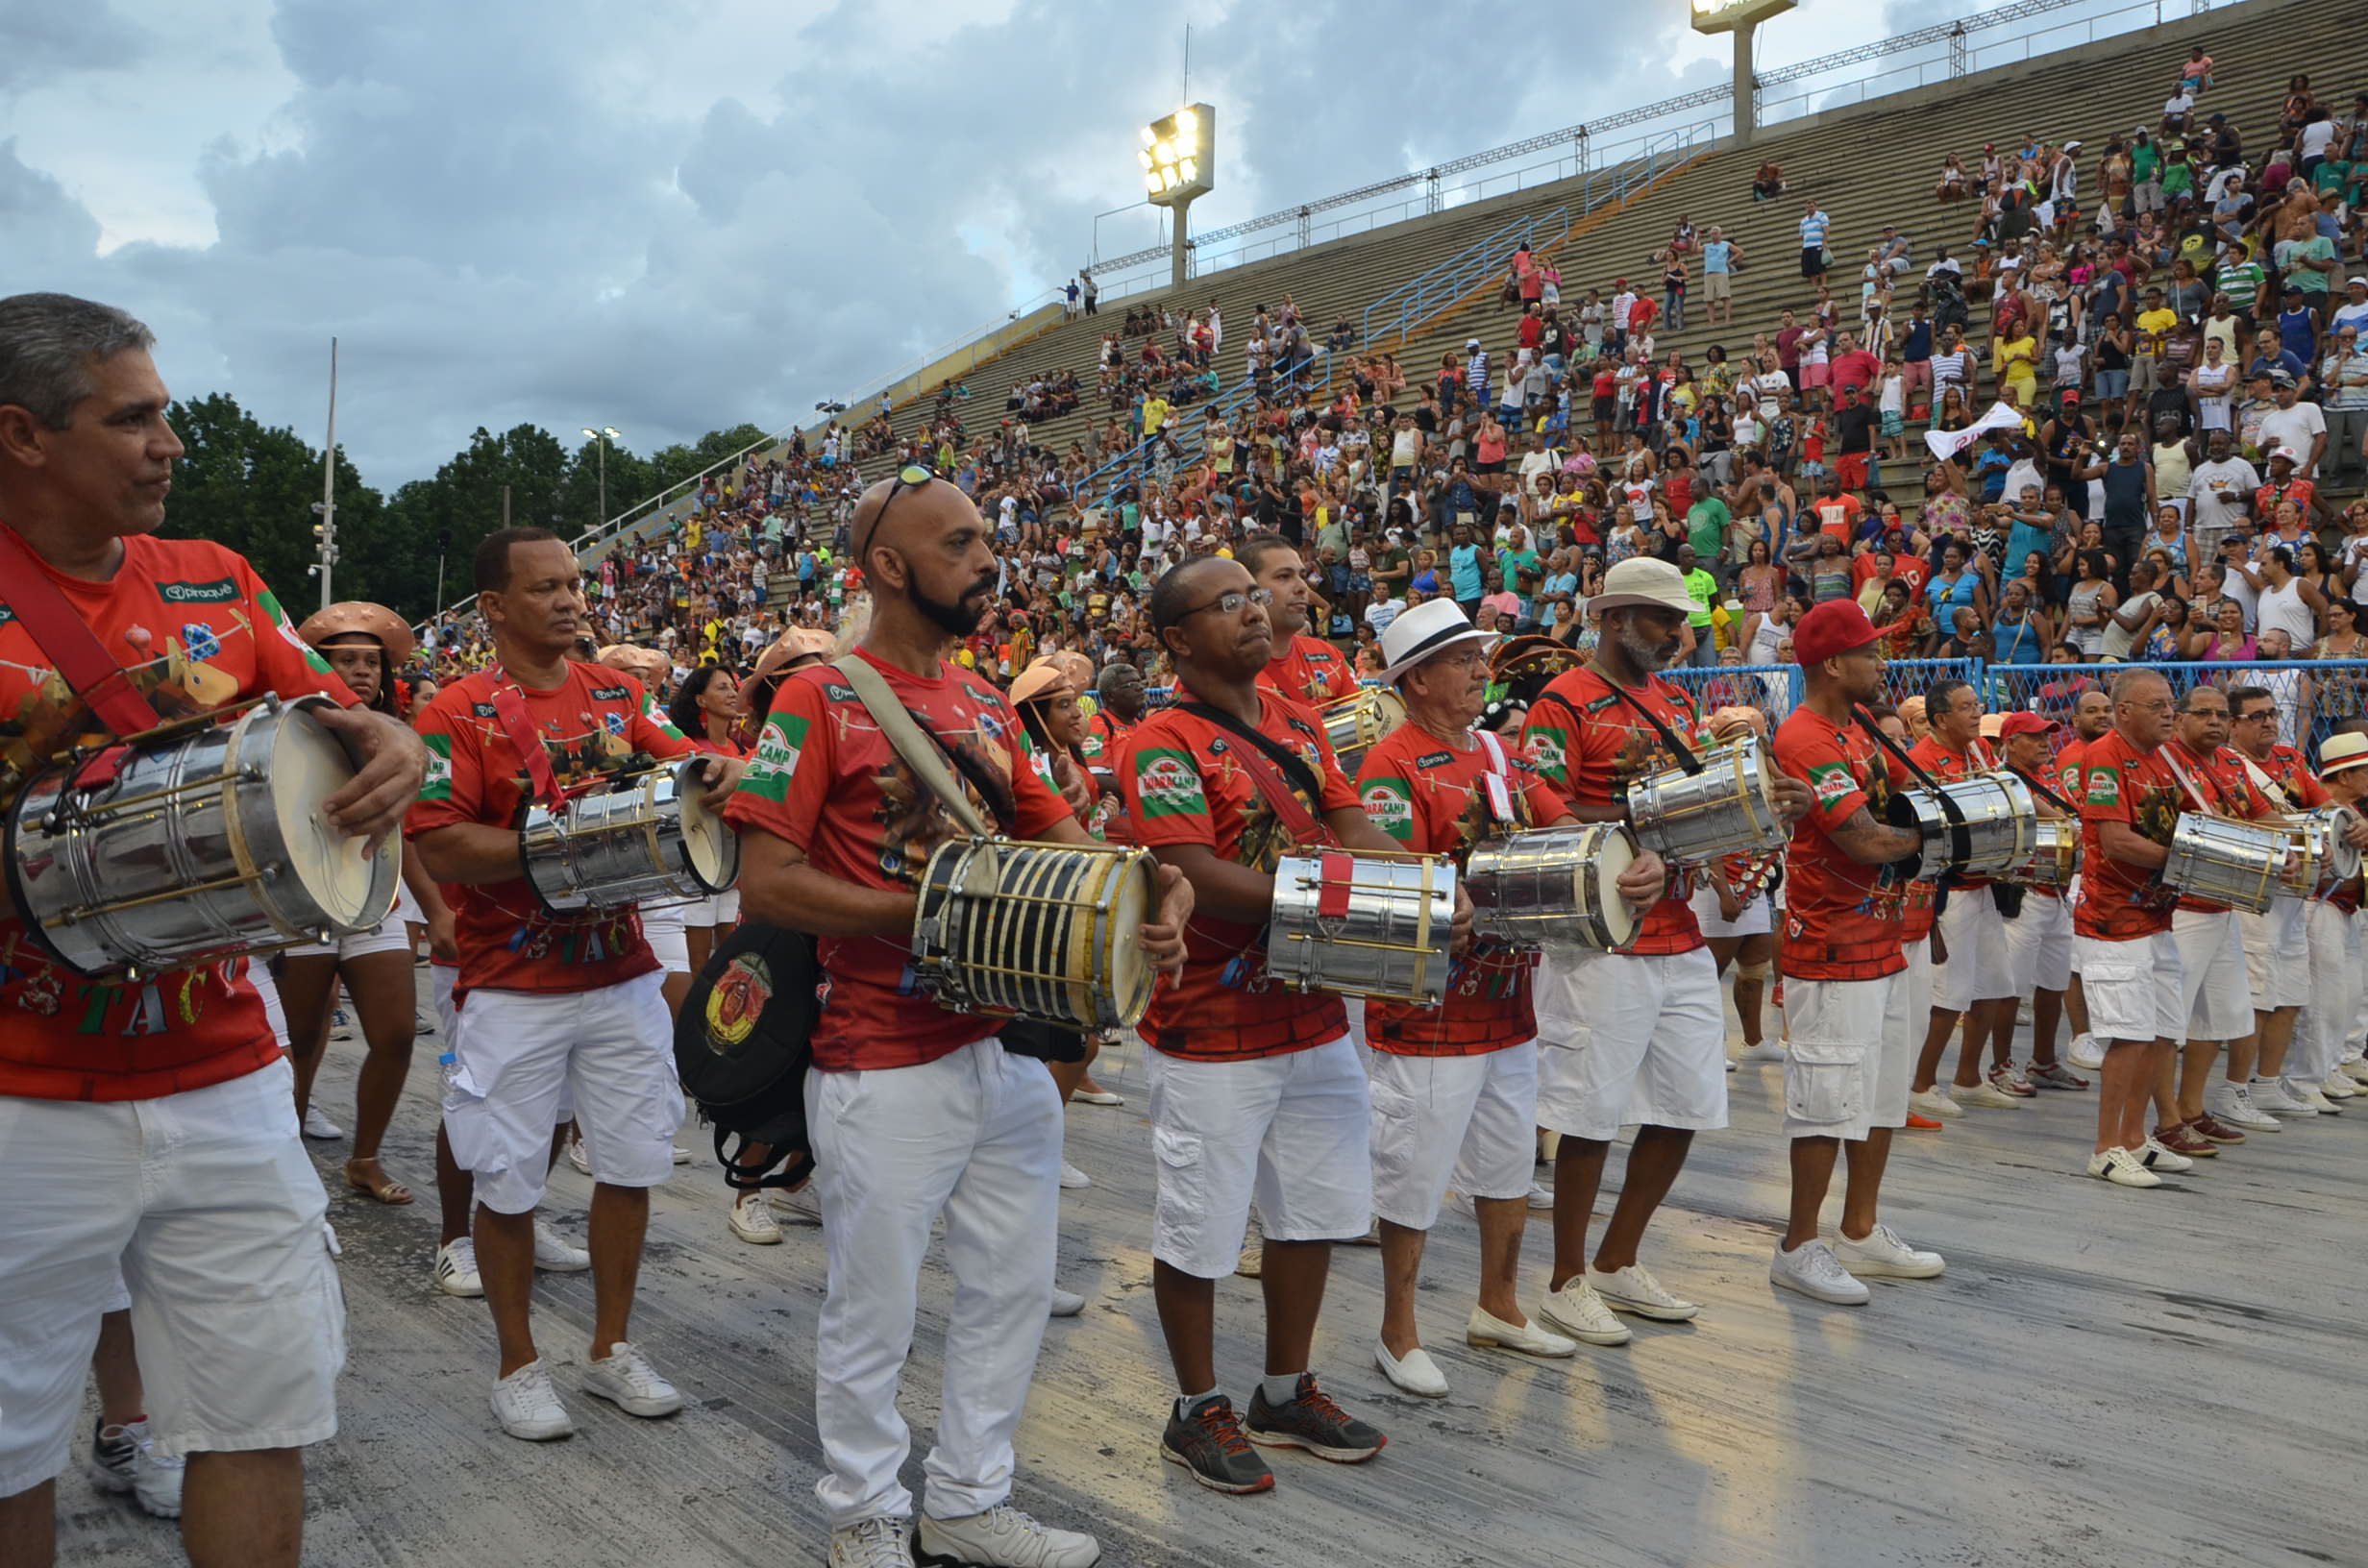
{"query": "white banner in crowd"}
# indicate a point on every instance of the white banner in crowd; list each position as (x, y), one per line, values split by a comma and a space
(1947, 444)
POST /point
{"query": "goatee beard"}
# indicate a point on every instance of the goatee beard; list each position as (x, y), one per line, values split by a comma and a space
(954, 618)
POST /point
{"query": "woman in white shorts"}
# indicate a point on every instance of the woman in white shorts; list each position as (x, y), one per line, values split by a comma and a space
(1738, 922)
(364, 643)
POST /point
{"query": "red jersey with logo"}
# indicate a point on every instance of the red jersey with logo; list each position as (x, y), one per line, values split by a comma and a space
(1105, 736)
(1842, 921)
(1311, 671)
(827, 780)
(1437, 799)
(2225, 788)
(1947, 766)
(2119, 783)
(1186, 782)
(596, 725)
(2292, 776)
(197, 629)
(1591, 744)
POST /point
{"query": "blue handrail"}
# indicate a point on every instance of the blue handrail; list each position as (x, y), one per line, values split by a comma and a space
(1135, 461)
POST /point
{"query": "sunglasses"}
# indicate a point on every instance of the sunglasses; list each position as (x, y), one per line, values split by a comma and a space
(911, 476)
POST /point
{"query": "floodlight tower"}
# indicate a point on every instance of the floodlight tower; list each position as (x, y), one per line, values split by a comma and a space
(1741, 17)
(1179, 162)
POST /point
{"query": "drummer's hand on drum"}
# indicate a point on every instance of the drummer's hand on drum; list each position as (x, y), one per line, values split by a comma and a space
(1792, 797)
(721, 777)
(1645, 881)
(2356, 833)
(394, 762)
(1162, 938)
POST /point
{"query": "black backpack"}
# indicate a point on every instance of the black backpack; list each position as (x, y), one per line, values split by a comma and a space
(742, 1050)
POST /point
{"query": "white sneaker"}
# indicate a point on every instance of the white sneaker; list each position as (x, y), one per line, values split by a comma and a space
(1812, 1269)
(553, 1252)
(871, 1543)
(2269, 1094)
(2121, 1168)
(1416, 1374)
(2158, 1156)
(753, 1223)
(576, 1156)
(528, 1408)
(1986, 1094)
(2232, 1103)
(2086, 1052)
(1071, 1178)
(625, 1379)
(125, 1459)
(1540, 1196)
(1003, 1536)
(1882, 1254)
(2339, 1088)
(2309, 1095)
(456, 1269)
(1634, 1289)
(804, 1206)
(1098, 1096)
(319, 1126)
(1931, 1102)
(1066, 1302)
(1486, 1331)
(1767, 1050)
(1579, 1312)
(1253, 1259)
(2357, 1072)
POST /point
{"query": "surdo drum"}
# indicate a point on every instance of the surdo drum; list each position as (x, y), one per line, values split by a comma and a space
(1726, 809)
(1364, 924)
(2055, 854)
(650, 840)
(1050, 932)
(1554, 887)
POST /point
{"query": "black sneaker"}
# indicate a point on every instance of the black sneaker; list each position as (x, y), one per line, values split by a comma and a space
(1209, 1444)
(1310, 1420)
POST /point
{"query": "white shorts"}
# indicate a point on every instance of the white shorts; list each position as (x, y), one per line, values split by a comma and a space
(2133, 987)
(519, 1055)
(2334, 992)
(1752, 919)
(387, 937)
(664, 930)
(1293, 1131)
(1630, 1041)
(1847, 1066)
(2278, 955)
(716, 909)
(2039, 945)
(2216, 994)
(1978, 968)
(208, 1204)
(406, 907)
(1469, 1121)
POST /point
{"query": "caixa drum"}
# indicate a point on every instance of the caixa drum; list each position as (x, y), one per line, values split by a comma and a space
(1726, 809)
(649, 839)
(2241, 864)
(1363, 924)
(1979, 826)
(195, 842)
(2055, 854)
(1050, 932)
(1554, 887)
(2323, 857)
(1353, 725)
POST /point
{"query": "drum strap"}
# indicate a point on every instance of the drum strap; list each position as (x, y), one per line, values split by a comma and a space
(1498, 782)
(1269, 764)
(69, 642)
(2195, 792)
(2068, 808)
(2267, 785)
(510, 711)
(1683, 753)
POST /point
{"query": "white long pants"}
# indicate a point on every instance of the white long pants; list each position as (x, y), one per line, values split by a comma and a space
(976, 1135)
(2336, 988)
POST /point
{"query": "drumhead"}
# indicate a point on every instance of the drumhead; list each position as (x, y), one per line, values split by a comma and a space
(710, 841)
(1130, 972)
(308, 765)
(1614, 853)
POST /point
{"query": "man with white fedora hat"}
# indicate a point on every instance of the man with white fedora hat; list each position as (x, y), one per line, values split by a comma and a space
(2335, 926)
(1634, 1038)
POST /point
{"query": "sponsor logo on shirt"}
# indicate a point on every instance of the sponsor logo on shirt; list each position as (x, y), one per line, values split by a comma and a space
(221, 591)
(1167, 784)
(2104, 787)
(776, 762)
(1548, 750)
(1389, 804)
(438, 784)
(607, 694)
(1831, 782)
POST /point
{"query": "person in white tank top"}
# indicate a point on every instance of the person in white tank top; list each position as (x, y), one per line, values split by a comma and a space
(2286, 603)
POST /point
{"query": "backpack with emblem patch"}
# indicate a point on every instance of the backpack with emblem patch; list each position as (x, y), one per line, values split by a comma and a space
(743, 1047)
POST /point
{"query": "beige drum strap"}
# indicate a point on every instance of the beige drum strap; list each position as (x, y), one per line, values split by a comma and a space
(2267, 785)
(920, 753)
(2195, 792)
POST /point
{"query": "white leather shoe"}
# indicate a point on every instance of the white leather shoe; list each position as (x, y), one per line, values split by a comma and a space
(1493, 1332)
(1418, 1374)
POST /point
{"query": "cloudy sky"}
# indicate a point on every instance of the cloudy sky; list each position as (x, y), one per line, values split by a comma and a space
(673, 215)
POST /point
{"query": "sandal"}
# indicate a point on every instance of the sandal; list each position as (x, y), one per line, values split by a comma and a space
(385, 1190)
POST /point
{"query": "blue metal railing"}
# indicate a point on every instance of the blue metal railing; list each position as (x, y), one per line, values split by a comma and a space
(1135, 461)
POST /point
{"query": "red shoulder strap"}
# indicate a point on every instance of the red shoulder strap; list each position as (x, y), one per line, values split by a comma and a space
(67, 641)
(509, 710)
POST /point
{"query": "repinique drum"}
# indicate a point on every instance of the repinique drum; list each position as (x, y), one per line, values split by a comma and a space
(1726, 809)
(1553, 887)
(194, 842)
(2317, 838)
(1043, 931)
(1354, 723)
(650, 840)
(2225, 862)
(1363, 924)
(2055, 854)
(1975, 826)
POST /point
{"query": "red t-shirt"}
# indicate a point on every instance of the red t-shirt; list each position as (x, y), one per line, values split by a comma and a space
(2228, 791)
(1311, 671)
(197, 628)
(1842, 921)
(1856, 368)
(1105, 736)
(1945, 765)
(2288, 771)
(2119, 783)
(1590, 744)
(1185, 783)
(598, 723)
(1839, 516)
(825, 781)
(1435, 799)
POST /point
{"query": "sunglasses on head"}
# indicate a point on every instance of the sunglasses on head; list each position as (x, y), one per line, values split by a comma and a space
(911, 476)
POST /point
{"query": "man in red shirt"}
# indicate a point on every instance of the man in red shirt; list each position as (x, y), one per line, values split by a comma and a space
(1634, 1038)
(915, 1111)
(2092, 716)
(1301, 668)
(2122, 942)
(151, 1124)
(2039, 939)
(1120, 687)
(1846, 992)
(1255, 1089)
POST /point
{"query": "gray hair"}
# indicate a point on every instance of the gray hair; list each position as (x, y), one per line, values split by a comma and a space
(48, 343)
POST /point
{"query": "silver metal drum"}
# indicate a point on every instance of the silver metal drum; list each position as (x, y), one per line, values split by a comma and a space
(2323, 858)
(1975, 826)
(2055, 854)
(1726, 809)
(1353, 725)
(1554, 887)
(1043, 931)
(193, 843)
(651, 839)
(1364, 924)
(2225, 862)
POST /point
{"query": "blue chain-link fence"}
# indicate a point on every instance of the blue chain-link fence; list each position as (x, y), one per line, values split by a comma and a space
(2313, 695)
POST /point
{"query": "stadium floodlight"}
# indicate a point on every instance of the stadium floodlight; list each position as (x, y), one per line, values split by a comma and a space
(1741, 17)
(1178, 156)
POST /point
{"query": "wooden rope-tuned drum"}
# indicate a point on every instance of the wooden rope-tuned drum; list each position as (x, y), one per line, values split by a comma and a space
(1726, 809)
(2055, 854)
(2323, 858)
(1355, 724)
(1365, 924)
(2225, 862)
(1050, 932)
(651, 839)
(1553, 887)
(195, 842)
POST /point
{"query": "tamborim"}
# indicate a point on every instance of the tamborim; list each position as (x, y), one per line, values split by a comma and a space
(1043, 931)
(1364, 924)
(2225, 862)
(195, 842)
(2323, 857)
(2055, 854)
(1354, 723)
(1726, 809)
(1554, 887)
(650, 840)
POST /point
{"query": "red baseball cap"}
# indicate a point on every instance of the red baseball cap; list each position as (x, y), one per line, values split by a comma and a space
(2024, 724)
(1835, 626)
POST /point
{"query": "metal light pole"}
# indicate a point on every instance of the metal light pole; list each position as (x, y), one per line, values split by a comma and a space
(601, 439)
(326, 529)
(1739, 17)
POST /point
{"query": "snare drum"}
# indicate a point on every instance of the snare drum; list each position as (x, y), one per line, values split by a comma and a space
(1980, 825)
(2225, 862)
(2055, 854)
(1364, 924)
(2324, 858)
(1043, 931)
(651, 839)
(1554, 887)
(1726, 809)
(194, 842)
(1354, 723)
